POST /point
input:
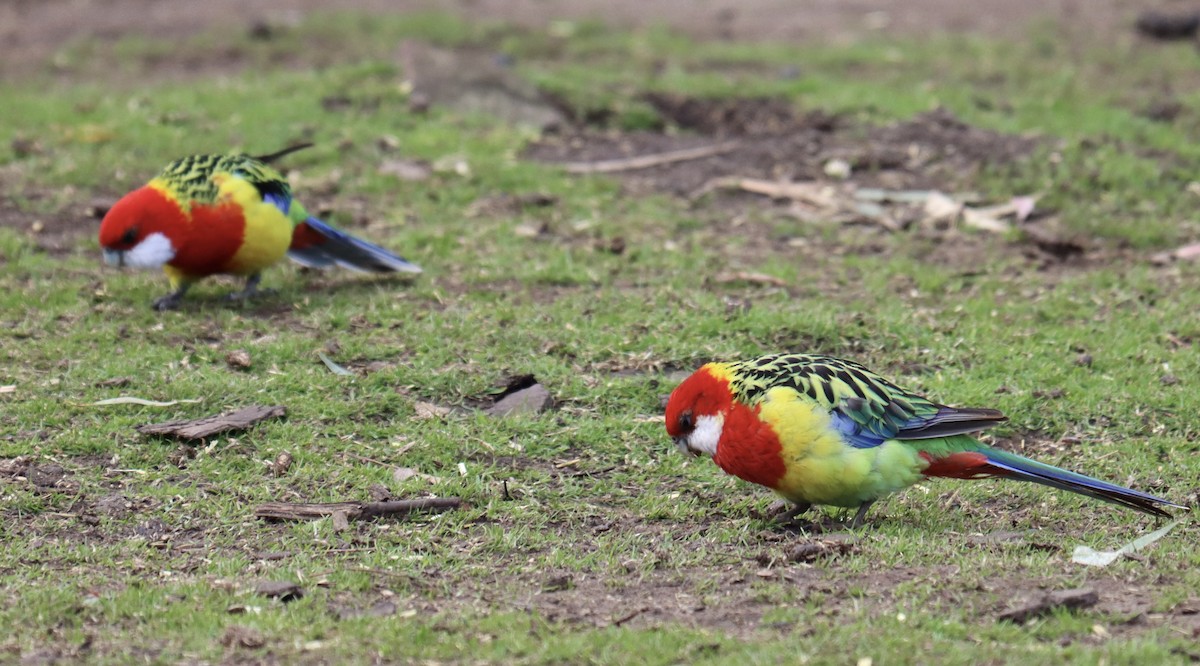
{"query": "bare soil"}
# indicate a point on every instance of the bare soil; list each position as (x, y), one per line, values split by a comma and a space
(731, 595)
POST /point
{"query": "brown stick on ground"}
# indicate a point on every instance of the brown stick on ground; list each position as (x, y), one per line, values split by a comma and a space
(353, 510)
(212, 425)
(647, 161)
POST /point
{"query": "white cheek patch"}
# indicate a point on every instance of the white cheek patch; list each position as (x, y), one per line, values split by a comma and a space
(154, 251)
(706, 435)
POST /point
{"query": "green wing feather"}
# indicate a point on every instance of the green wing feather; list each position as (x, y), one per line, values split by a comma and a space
(867, 408)
(191, 178)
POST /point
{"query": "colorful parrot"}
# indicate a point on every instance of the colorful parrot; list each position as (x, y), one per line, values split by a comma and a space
(820, 430)
(209, 214)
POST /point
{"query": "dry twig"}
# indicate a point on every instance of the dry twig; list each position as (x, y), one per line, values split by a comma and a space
(352, 510)
(647, 161)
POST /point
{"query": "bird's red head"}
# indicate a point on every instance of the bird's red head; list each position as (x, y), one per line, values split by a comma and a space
(697, 408)
(142, 229)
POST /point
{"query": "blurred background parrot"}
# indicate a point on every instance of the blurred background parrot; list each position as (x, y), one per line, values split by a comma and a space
(210, 214)
(820, 430)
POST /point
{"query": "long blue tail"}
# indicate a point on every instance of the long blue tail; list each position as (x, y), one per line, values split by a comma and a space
(1018, 467)
(318, 245)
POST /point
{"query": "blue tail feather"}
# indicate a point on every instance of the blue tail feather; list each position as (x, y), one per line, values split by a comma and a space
(1022, 468)
(340, 248)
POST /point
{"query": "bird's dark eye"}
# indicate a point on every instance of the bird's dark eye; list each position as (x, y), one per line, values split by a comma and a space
(130, 236)
(686, 422)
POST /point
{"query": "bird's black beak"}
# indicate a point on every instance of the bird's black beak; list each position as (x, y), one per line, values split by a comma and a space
(681, 443)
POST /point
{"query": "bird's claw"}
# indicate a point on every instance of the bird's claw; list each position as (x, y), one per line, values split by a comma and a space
(787, 514)
(168, 302)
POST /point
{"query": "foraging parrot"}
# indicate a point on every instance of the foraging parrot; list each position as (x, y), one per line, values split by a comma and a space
(209, 214)
(820, 430)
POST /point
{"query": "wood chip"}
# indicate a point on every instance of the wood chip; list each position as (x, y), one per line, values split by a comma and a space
(1084, 597)
(211, 425)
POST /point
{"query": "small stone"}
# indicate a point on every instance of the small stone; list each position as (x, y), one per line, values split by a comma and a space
(284, 591)
(532, 400)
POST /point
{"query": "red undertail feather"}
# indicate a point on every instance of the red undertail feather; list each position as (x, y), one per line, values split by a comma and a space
(303, 236)
(963, 465)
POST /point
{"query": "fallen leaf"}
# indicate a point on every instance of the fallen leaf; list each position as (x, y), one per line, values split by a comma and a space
(211, 425)
(409, 170)
(1189, 252)
(455, 164)
(940, 208)
(341, 521)
(402, 474)
(1023, 207)
(333, 367)
(838, 168)
(281, 464)
(746, 276)
(984, 221)
(892, 196)
(1103, 558)
(428, 410)
(239, 359)
(813, 192)
(245, 637)
(142, 401)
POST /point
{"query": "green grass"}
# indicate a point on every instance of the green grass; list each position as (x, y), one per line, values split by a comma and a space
(139, 553)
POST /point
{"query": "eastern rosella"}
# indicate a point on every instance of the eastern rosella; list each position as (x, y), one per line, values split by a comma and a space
(820, 430)
(209, 214)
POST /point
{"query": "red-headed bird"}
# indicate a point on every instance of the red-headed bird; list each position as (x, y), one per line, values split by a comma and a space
(820, 430)
(210, 214)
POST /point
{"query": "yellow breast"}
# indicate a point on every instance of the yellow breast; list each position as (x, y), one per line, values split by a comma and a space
(268, 231)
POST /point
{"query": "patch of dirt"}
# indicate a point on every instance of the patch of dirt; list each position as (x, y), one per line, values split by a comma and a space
(763, 143)
(934, 150)
(57, 232)
(765, 572)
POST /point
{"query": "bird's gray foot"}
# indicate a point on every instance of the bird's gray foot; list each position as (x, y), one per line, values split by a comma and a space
(251, 290)
(787, 513)
(170, 301)
(857, 521)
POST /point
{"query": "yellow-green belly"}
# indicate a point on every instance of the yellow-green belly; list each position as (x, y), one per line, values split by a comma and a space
(821, 468)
